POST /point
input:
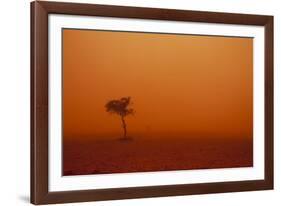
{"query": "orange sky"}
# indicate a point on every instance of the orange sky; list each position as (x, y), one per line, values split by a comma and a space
(181, 85)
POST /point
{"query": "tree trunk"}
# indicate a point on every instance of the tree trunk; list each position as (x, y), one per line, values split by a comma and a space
(124, 127)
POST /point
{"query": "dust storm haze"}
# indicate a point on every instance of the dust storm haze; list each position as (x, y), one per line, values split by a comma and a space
(189, 85)
(192, 97)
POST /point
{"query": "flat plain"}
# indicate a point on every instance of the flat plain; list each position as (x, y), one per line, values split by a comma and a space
(111, 155)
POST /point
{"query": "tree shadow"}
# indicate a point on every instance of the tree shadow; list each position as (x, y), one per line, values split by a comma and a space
(126, 139)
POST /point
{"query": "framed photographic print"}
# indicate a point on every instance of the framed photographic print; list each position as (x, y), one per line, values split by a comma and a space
(131, 102)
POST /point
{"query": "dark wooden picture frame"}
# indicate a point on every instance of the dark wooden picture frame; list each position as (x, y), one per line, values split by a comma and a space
(39, 102)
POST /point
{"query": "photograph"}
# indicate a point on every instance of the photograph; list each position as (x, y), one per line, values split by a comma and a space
(151, 102)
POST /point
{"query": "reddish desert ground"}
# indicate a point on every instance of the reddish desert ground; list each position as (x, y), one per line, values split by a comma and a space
(104, 156)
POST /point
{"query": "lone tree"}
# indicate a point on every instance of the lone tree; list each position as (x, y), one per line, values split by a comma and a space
(121, 108)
